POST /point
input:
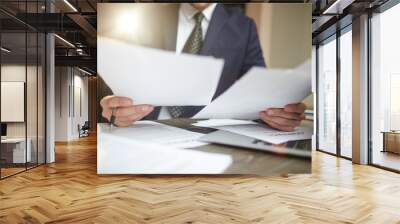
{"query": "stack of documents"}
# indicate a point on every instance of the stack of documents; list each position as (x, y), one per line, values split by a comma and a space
(157, 133)
(229, 138)
(157, 77)
(264, 133)
(148, 148)
(256, 130)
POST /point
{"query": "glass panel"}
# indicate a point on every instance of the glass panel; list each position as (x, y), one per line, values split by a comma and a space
(23, 90)
(327, 96)
(13, 89)
(41, 98)
(31, 100)
(385, 87)
(32, 89)
(346, 94)
(313, 89)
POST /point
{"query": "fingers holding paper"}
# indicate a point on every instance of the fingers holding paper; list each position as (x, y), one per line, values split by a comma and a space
(284, 119)
(124, 110)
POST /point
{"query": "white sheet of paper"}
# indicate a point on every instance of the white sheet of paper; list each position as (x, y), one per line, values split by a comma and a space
(157, 77)
(267, 134)
(258, 90)
(221, 122)
(154, 132)
(121, 155)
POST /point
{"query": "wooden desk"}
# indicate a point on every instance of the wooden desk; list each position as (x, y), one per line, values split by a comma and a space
(13, 150)
(391, 141)
(244, 161)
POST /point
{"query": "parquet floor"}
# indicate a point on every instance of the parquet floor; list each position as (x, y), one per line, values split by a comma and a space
(70, 191)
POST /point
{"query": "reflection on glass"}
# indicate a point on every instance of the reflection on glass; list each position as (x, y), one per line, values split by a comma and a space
(346, 94)
(327, 97)
(394, 102)
(22, 92)
(385, 87)
(31, 100)
(15, 150)
(41, 98)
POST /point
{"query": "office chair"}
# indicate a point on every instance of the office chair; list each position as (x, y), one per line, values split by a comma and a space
(84, 130)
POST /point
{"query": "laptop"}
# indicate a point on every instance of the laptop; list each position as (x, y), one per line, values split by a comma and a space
(298, 148)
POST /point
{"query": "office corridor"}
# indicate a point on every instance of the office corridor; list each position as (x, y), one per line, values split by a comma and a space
(70, 191)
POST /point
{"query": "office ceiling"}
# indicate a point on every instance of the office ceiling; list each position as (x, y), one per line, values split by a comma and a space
(76, 22)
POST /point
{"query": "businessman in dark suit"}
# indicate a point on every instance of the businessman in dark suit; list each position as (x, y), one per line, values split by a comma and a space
(215, 30)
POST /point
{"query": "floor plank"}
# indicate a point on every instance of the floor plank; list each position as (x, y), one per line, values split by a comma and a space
(70, 191)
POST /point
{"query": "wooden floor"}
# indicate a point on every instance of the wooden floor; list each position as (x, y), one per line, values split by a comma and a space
(387, 159)
(5, 172)
(70, 191)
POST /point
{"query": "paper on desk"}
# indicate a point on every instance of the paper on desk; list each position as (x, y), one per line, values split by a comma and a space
(258, 90)
(154, 132)
(157, 77)
(264, 133)
(120, 155)
(221, 122)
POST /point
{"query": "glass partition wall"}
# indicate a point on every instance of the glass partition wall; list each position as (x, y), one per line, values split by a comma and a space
(385, 89)
(334, 98)
(22, 77)
(327, 95)
(345, 94)
(334, 83)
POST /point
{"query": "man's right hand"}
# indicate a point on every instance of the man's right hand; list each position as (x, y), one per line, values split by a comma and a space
(125, 111)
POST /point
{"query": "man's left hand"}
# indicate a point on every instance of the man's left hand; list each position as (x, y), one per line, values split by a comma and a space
(284, 119)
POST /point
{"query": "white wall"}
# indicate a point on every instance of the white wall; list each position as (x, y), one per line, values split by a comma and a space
(284, 30)
(15, 72)
(34, 126)
(70, 83)
(11, 73)
(79, 117)
(62, 81)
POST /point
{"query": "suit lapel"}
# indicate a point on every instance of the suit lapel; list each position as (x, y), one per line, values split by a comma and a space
(218, 20)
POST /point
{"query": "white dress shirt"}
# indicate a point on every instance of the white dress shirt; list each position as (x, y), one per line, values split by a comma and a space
(186, 25)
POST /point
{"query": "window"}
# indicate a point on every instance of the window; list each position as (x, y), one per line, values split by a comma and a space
(333, 137)
(346, 92)
(385, 89)
(327, 96)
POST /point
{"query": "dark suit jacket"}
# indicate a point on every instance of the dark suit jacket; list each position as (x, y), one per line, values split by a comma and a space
(231, 35)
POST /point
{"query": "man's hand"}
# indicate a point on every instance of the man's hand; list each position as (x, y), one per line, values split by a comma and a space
(125, 111)
(285, 119)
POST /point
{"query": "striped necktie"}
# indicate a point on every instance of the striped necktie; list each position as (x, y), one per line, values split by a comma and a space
(192, 46)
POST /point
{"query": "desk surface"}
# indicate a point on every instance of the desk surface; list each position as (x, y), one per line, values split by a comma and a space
(13, 140)
(246, 161)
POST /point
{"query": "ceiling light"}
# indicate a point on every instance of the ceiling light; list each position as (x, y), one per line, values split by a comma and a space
(70, 5)
(338, 6)
(5, 50)
(84, 71)
(65, 41)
